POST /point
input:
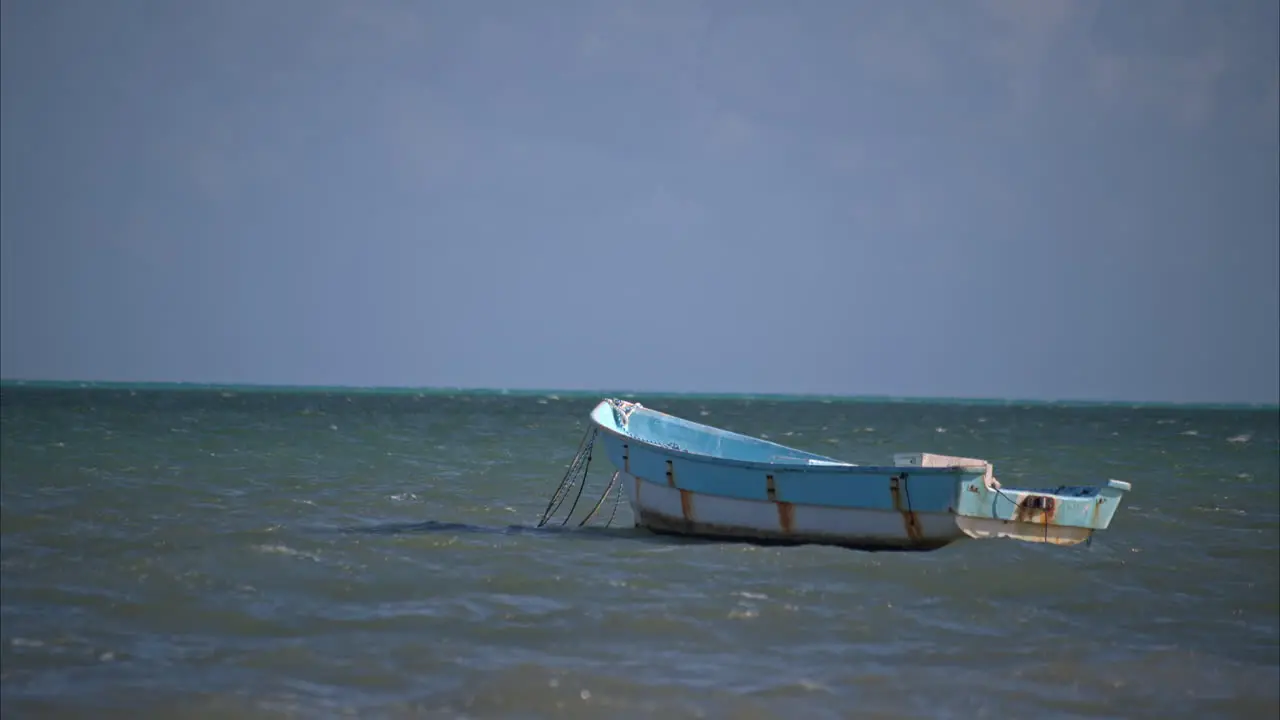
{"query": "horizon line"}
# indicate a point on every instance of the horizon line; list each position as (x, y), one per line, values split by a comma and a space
(190, 386)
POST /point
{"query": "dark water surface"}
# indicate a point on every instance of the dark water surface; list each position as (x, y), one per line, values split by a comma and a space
(202, 554)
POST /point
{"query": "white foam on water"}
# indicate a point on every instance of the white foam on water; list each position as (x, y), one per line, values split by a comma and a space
(287, 551)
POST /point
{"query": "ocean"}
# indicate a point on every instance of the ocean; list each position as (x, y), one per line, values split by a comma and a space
(214, 552)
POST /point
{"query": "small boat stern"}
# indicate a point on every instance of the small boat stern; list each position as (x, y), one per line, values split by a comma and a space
(1063, 515)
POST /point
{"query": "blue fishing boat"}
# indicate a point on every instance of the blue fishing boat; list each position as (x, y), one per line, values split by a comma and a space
(686, 478)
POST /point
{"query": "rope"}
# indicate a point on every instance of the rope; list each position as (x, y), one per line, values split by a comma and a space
(582, 485)
(576, 474)
(600, 502)
(623, 409)
(617, 497)
(581, 459)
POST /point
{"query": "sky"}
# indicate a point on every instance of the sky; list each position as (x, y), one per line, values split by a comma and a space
(1050, 199)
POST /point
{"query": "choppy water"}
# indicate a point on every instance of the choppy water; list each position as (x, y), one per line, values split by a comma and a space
(212, 554)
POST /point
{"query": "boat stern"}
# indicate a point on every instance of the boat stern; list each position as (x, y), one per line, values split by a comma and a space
(1063, 515)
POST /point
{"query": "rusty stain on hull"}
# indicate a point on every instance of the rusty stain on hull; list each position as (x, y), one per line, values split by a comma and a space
(786, 516)
(686, 506)
(897, 488)
(1037, 509)
(671, 477)
(786, 511)
(626, 458)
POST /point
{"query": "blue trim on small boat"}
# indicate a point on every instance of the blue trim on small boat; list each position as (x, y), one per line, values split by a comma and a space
(1081, 506)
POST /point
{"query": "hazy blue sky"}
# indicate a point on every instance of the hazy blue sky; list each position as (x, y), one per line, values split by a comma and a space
(1020, 198)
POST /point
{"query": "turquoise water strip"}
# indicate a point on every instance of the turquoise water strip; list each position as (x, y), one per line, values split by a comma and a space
(589, 394)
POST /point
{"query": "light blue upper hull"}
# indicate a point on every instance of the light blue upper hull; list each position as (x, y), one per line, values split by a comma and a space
(690, 478)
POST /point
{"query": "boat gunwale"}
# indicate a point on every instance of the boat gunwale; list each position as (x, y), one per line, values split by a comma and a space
(840, 468)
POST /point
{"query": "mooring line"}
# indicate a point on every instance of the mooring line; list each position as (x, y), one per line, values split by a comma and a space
(577, 472)
(582, 484)
(617, 497)
(600, 502)
(581, 460)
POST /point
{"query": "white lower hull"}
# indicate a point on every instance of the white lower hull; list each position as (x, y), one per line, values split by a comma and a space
(992, 528)
(662, 508)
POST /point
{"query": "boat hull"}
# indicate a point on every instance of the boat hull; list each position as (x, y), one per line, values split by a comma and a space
(661, 508)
